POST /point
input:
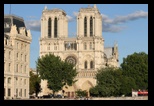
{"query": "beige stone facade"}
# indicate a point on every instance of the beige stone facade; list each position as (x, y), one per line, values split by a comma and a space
(86, 51)
(16, 57)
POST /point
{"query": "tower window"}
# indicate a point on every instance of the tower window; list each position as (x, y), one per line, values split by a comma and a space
(91, 26)
(49, 28)
(91, 65)
(85, 27)
(55, 28)
(85, 64)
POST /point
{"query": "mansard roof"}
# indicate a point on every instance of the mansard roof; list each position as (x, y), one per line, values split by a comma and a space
(12, 20)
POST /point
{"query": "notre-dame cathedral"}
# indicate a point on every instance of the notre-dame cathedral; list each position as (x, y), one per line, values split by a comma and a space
(86, 50)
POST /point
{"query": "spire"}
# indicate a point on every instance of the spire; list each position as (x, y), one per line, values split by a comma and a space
(45, 8)
(95, 6)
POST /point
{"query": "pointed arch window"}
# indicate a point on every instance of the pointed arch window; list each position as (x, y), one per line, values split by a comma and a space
(91, 65)
(55, 28)
(49, 27)
(85, 46)
(85, 64)
(90, 45)
(85, 27)
(91, 26)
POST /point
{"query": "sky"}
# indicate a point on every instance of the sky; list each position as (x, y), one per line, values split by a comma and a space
(125, 24)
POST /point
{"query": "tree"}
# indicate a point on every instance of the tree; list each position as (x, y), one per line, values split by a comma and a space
(81, 93)
(108, 82)
(58, 73)
(127, 83)
(34, 84)
(136, 67)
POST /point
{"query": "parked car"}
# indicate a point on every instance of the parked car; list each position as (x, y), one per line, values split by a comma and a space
(31, 97)
(58, 96)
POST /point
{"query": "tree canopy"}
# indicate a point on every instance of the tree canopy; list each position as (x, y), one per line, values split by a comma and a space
(136, 67)
(108, 83)
(58, 73)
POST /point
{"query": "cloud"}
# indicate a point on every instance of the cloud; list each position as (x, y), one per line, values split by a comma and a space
(70, 19)
(34, 25)
(112, 25)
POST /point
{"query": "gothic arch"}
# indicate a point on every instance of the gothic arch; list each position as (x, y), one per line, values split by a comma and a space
(86, 85)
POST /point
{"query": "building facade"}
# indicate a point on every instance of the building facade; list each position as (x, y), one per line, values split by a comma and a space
(17, 41)
(86, 50)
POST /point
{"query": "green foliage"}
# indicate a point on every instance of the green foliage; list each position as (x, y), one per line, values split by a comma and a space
(58, 73)
(133, 74)
(127, 83)
(108, 82)
(34, 84)
(81, 93)
(136, 67)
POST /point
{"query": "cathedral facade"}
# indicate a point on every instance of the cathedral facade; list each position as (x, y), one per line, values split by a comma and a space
(86, 50)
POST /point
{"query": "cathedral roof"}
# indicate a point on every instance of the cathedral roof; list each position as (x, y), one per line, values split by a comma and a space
(55, 10)
(89, 9)
(108, 51)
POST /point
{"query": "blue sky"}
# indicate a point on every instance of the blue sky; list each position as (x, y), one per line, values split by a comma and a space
(126, 24)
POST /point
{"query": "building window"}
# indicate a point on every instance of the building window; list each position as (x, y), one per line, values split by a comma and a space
(85, 46)
(9, 80)
(9, 67)
(21, 81)
(16, 92)
(5, 41)
(17, 56)
(24, 81)
(21, 57)
(20, 92)
(9, 92)
(91, 26)
(25, 93)
(90, 45)
(85, 64)
(91, 65)
(85, 27)
(55, 28)
(49, 28)
(25, 58)
(17, 68)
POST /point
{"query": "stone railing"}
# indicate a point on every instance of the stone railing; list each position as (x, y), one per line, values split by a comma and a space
(87, 73)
